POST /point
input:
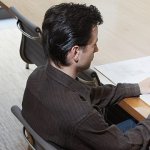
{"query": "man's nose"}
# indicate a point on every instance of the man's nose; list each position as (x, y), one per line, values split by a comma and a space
(96, 49)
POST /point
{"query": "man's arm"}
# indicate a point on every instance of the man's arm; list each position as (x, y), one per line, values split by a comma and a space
(109, 94)
(96, 134)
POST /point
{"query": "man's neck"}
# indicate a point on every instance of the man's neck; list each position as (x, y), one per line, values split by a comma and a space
(69, 70)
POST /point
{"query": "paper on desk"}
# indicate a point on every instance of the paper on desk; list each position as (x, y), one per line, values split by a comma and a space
(129, 71)
(146, 98)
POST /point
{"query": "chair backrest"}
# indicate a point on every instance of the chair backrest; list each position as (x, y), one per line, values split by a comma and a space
(31, 50)
(89, 77)
(42, 144)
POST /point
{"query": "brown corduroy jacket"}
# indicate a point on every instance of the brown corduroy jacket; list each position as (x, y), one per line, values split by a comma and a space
(67, 112)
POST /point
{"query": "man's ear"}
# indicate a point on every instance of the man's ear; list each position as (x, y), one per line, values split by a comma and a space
(74, 53)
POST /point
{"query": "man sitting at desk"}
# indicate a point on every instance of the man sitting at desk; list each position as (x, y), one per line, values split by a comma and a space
(63, 110)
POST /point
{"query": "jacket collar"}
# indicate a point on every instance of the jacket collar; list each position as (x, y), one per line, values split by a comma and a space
(68, 81)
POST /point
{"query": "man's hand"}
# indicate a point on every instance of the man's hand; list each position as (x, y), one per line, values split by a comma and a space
(145, 86)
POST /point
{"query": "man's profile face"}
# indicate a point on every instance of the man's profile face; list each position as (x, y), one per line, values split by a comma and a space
(87, 52)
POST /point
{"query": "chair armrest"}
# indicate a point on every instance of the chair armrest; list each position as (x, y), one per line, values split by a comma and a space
(17, 112)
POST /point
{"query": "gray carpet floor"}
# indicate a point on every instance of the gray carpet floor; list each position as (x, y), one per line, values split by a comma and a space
(13, 76)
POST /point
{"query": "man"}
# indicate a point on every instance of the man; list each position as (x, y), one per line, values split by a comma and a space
(63, 110)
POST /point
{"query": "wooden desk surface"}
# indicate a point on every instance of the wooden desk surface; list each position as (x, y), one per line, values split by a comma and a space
(136, 108)
(124, 35)
(128, 72)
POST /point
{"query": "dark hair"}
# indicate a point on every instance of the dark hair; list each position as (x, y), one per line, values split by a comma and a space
(66, 25)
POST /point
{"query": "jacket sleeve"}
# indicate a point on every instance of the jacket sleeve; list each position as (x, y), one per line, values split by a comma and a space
(95, 133)
(109, 94)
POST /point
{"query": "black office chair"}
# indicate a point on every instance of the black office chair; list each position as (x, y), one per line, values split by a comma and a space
(31, 50)
(34, 140)
(90, 78)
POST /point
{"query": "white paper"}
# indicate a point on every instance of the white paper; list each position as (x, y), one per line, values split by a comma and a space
(146, 98)
(129, 71)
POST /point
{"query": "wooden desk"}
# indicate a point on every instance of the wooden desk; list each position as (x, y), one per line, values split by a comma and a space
(129, 71)
(134, 106)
